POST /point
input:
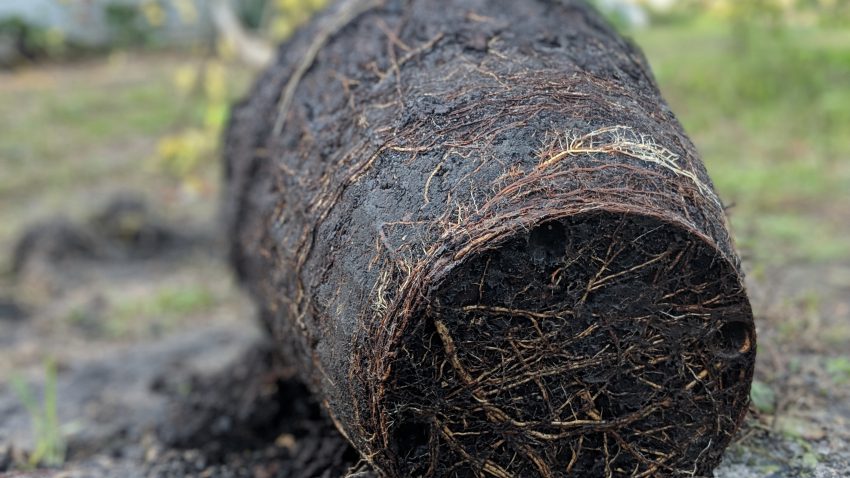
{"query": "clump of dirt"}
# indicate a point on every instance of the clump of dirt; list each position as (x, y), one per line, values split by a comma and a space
(126, 228)
(11, 311)
(247, 418)
(253, 419)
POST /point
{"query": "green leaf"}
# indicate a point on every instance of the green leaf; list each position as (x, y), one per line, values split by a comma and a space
(762, 397)
(839, 369)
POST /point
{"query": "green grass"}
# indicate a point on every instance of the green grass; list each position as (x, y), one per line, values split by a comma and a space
(769, 109)
(71, 131)
(50, 445)
(48, 137)
(171, 301)
(162, 308)
(838, 369)
(762, 397)
(776, 237)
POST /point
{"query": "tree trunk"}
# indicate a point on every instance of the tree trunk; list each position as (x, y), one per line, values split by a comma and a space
(488, 244)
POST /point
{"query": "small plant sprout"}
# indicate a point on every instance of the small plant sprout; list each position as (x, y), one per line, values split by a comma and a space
(50, 446)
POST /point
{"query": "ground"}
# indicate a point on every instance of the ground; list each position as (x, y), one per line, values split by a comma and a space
(161, 370)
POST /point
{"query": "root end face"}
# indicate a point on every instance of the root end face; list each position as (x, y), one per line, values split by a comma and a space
(602, 344)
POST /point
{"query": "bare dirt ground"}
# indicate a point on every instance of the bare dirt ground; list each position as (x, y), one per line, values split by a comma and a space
(161, 369)
(198, 393)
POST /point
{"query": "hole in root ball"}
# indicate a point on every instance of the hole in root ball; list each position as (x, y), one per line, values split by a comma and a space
(412, 439)
(547, 239)
(734, 338)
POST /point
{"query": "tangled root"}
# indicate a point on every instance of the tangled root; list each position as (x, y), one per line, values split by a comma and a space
(598, 344)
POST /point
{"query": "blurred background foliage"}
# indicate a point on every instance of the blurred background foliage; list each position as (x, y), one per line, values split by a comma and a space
(762, 86)
(186, 153)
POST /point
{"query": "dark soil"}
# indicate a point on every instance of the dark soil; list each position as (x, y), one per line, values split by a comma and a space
(252, 414)
(608, 360)
(243, 420)
(125, 229)
(400, 185)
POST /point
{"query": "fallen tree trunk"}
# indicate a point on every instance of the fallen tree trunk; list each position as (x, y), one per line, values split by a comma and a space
(487, 242)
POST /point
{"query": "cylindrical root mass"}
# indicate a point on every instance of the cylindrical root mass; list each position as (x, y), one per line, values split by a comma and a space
(488, 245)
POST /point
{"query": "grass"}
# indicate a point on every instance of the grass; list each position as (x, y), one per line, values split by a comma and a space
(146, 311)
(762, 397)
(162, 309)
(170, 301)
(70, 131)
(838, 369)
(769, 112)
(52, 129)
(50, 445)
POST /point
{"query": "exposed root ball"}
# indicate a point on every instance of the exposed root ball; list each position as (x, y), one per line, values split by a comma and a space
(602, 343)
(489, 245)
